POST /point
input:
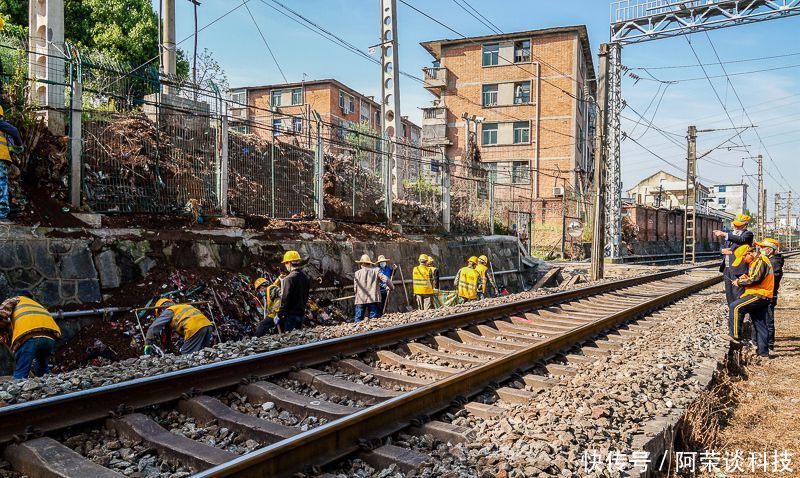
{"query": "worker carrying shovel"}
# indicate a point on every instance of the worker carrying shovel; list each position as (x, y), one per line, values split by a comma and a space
(186, 320)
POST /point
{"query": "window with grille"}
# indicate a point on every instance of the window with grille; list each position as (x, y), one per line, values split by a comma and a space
(522, 92)
(276, 98)
(520, 172)
(522, 51)
(489, 95)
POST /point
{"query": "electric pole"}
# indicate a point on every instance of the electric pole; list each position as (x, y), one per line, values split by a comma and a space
(762, 199)
(789, 228)
(390, 99)
(599, 229)
(691, 197)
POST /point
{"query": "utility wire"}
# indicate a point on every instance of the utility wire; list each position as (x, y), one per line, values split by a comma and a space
(729, 62)
(476, 17)
(482, 16)
(266, 43)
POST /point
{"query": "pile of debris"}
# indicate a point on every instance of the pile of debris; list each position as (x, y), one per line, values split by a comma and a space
(415, 213)
(225, 297)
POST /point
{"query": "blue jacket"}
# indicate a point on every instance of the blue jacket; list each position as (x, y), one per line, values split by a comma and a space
(12, 131)
(387, 271)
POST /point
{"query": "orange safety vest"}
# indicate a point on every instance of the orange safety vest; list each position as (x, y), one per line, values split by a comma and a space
(766, 287)
(468, 279)
(29, 318)
(187, 320)
(422, 281)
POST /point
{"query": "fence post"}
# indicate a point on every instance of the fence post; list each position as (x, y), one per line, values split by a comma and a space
(445, 193)
(491, 207)
(76, 144)
(223, 167)
(319, 166)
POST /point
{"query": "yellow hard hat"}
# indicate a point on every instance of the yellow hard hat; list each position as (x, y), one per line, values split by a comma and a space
(739, 254)
(423, 258)
(291, 256)
(741, 220)
(430, 259)
(473, 259)
(259, 282)
(484, 259)
(162, 302)
(2, 111)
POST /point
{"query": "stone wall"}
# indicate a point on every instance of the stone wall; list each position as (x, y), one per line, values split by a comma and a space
(77, 267)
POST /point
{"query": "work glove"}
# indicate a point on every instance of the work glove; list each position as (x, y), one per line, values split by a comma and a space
(148, 350)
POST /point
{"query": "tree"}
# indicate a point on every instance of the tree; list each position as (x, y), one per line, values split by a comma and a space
(210, 72)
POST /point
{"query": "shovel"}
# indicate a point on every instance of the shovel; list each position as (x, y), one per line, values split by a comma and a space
(405, 290)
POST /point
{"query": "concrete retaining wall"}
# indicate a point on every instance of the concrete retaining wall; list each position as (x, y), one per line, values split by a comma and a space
(65, 267)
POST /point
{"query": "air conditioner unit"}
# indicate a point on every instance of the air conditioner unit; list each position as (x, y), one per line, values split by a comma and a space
(558, 191)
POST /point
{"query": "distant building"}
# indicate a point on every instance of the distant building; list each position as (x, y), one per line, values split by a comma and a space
(668, 191)
(286, 110)
(731, 198)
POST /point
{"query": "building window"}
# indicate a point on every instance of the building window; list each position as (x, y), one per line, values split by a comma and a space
(347, 103)
(489, 134)
(489, 95)
(721, 200)
(276, 98)
(522, 51)
(491, 54)
(297, 125)
(491, 169)
(522, 132)
(297, 96)
(239, 98)
(365, 112)
(520, 172)
(580, 139)
(276, 127)
(239, 129)
(522, 92)
(721, 189)
(405, 131)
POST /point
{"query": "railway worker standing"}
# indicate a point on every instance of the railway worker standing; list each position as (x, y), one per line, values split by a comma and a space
(385, 269)
(367, 282)
(33, 333)
(758, 284)
(771, 248)
(738, 237)
(294, 293)
(422, 281)
(186, 320)
(468, 281)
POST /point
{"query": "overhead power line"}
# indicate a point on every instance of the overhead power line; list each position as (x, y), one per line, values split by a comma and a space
(729, 62)
(476, 17)
(264, 39)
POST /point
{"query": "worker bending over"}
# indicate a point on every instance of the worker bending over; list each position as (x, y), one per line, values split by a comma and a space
(367, 282)
(294, 293)
(423, 283)
(468, 281)
(184, 319)
(483, 270)
(33, 333)
(771, 248)
(758, 284)
(268, 300)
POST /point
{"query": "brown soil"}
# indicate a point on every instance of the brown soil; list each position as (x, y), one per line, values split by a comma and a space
(765, 418)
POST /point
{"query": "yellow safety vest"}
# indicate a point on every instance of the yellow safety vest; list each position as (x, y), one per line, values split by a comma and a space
(481, 269)
(468, 283)
(30, 317)
(5, 153)
(273, 305)
(187, 320)
(422, 280)
(766, 287)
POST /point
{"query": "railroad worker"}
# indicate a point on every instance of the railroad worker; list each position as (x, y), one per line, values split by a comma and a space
(367, 282)
(468, 281)
(7, 131)
(184, 319)
(268, 300)
(483, 270)
(423, 283)
(294, 293)
(771, 248)
(731, 240)
(33, 333)
(386, 269)
(435, 279)
(758, 284)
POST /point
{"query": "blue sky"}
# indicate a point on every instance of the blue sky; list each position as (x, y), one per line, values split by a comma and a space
(771, 98)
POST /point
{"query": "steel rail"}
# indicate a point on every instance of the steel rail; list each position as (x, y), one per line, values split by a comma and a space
(61, 411)
(342, 437)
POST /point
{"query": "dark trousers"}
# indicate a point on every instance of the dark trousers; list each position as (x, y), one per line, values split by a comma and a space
(200, 340)
(732, 293)
(34, 353)
(758, 308)
(771, 322)
(289, 322)
(370, 309)
(265, 326)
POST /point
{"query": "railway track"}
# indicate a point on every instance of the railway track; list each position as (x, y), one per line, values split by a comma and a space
(465, 360)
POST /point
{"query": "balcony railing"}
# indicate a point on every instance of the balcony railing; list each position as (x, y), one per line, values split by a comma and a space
(435, 77)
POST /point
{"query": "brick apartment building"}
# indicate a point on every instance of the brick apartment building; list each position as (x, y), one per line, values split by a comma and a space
(288, 110)
(529, 92)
